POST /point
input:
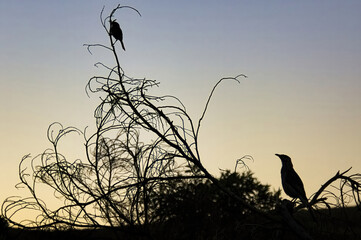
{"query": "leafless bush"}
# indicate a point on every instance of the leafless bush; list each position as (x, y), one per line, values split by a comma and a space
(141, 141)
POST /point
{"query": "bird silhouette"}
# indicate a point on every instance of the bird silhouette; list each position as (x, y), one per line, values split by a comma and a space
(292, 183)
(116, 32)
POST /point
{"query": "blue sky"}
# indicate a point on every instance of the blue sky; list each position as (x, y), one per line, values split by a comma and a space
(302, 96)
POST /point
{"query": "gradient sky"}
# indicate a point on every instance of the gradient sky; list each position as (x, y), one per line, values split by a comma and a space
(302, 96)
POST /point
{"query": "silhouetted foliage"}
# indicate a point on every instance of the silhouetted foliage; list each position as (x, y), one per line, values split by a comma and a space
(4, 225)
(201, 199)
(198, 209)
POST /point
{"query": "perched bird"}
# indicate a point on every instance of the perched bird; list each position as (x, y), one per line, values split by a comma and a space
(291, 182)
(116, 32)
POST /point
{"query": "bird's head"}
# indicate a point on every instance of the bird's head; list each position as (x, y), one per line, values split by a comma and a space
(114, 23)
(286, 160)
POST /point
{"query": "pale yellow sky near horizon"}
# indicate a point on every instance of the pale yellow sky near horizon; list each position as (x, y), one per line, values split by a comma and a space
(302, 96)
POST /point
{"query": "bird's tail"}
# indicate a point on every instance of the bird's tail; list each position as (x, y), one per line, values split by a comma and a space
(122, 45)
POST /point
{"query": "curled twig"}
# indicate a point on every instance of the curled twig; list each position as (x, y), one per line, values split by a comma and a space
(240, 162)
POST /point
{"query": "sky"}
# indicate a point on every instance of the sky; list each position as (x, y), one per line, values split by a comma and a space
(302, 96)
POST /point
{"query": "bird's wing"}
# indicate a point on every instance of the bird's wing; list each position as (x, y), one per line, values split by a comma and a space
(297, 184)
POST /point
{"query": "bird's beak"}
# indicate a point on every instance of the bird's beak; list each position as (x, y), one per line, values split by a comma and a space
(277, 155)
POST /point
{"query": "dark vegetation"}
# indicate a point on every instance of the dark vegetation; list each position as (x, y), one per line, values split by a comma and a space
(143, 178)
